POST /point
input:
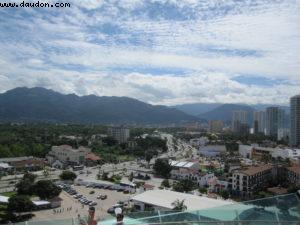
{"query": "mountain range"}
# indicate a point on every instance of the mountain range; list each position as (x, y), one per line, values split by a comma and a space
(43, 105)
(219, 111)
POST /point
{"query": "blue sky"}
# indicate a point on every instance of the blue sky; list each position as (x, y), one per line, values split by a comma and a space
(158, 51)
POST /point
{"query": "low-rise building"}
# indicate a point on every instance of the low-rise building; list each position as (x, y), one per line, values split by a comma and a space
(245, 182)
(257, 152)
(190, 171)
(5, 168)
(68, 155)
(91, 159)
(216, 185)
(163, 200)
(26, 163)
(196, 142)
(211, 150)
(246, 151)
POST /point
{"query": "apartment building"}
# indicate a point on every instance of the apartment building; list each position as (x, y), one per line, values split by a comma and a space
(293, 174)
(295, 121)
(240, 122)
(245, 182)
(121, 134)
(275, 120)
(259, 122)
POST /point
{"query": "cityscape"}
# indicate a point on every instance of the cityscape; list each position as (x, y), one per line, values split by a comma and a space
(159, 112)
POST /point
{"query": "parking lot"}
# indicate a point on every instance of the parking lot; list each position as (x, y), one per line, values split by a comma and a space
(72, 207)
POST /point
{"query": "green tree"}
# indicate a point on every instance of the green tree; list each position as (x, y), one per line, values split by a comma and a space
(203, 190)
(67, 175)
(224, 194)
(162, 167)
(130, 178)
(110, 141)
(19, 203)
(29, 176)
(179, 205)
(148, 156)
(165, 183)
(183, 185)
(46, 189)
(25, 185)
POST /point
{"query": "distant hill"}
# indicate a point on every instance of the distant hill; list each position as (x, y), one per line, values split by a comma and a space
(260, 107)
(40, 104)
(197, 108)
(224, 112)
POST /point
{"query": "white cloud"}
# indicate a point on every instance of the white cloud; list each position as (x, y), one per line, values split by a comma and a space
(74, 50)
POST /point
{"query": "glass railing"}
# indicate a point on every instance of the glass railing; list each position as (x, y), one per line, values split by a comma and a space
(281, 210)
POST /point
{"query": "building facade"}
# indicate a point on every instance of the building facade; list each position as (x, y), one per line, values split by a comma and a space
(293, 175)
(67, 155)
(259, 122)
(295, 121)
(275, 120)
(240, 122)
(248, 181)
(215, 126)
(121, 134)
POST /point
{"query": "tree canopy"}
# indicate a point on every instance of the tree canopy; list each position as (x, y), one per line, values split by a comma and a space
(68, 175)
(162, 168)
(179, 205)
(46, 189)
(25, 185)
(19, 203)
(183, 185)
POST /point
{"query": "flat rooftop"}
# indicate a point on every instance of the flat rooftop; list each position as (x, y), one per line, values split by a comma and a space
(165, 198)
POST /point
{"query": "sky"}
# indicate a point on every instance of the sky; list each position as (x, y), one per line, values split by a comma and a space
(158, 51)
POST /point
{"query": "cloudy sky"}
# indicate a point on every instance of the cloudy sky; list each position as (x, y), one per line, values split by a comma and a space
(158, 51)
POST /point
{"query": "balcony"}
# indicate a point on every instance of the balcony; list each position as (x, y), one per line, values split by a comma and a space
(281, 210)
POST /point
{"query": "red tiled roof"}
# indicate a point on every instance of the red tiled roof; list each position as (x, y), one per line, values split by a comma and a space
(92, 157)
(256, 169)
(148, 186)
(278, 190)
(295, 169)
(28, 162)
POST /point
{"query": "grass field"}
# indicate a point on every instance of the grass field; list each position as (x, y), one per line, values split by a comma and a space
(9, 194)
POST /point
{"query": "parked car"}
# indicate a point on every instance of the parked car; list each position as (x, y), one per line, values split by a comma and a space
(111, 210)
(92, 192)
(103, 197)
(93, 204)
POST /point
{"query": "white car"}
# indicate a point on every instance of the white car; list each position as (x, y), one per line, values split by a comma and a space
(93, 204)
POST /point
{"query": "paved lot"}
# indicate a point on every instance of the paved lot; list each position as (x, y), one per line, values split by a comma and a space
(77, 208)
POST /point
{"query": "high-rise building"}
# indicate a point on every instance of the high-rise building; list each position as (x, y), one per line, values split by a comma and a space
(259, 122)
(240, 122)
(275, 120)
(215, 126)
(121, 134)
(295, 121)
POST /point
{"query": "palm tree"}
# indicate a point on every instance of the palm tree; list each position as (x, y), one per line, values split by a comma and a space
(179, 205)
